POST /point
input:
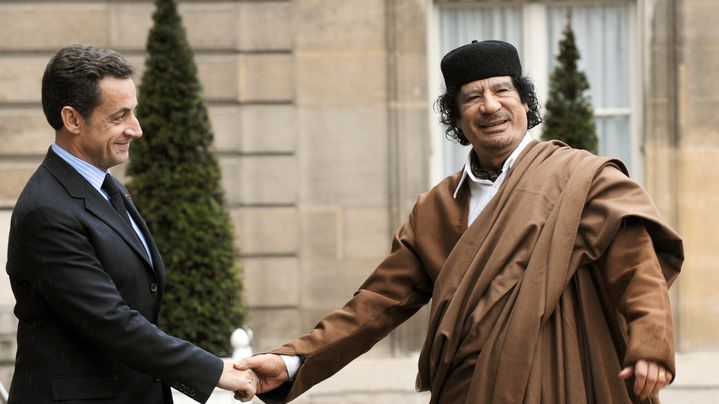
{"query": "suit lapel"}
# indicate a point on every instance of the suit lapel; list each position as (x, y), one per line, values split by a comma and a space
(101, 208)
(79, 188)
(156, 258)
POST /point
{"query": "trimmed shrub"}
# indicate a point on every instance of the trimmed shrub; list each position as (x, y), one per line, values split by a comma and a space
(569, 116)
(176, 185)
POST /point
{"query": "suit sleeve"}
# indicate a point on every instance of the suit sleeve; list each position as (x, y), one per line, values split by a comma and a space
(396, 289)
(61, 263)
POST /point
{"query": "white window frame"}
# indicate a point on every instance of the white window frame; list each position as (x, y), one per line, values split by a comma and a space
(534, 63)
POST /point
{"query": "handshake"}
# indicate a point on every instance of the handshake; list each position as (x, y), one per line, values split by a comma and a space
(254, 375)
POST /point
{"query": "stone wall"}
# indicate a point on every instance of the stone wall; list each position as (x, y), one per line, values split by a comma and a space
(698, 176)
(681, 39)
(682, 146)
(244, 53)
(320, 117)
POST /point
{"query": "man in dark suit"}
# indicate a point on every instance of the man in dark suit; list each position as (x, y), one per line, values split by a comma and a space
(86, 274)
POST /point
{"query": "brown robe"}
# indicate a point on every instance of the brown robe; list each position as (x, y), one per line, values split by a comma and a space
(560, 282)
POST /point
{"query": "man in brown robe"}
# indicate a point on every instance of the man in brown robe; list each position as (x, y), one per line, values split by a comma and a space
(547, 267)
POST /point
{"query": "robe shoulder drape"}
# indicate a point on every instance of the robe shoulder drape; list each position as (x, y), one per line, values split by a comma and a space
(528, 299)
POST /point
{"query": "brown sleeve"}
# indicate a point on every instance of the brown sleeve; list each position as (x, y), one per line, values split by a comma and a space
(633, 275)
(396, 289)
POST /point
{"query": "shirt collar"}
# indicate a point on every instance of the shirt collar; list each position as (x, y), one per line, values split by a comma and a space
(92, 174)
(467, 171)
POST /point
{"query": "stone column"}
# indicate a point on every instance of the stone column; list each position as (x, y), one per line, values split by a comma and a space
(408, 130)
(697, 175)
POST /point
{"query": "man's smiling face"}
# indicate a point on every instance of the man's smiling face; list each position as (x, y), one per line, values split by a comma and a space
(492, 117)
(105, 136)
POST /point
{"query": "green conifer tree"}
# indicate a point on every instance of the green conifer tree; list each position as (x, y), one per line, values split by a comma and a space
(569, 116)
(176, 184)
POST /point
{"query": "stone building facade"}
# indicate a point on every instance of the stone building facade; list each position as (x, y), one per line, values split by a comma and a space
(325, 131)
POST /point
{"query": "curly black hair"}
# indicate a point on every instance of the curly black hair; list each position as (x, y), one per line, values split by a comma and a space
(449, 110)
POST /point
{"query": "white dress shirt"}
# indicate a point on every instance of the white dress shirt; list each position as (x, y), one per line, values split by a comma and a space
(482, 191)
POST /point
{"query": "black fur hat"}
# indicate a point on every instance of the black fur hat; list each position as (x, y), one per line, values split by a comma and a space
(478, 61)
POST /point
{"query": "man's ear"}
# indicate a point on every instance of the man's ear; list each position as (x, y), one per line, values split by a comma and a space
(71, 119)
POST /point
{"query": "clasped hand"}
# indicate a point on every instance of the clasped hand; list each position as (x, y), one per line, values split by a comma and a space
(255, 375)
(242, 382)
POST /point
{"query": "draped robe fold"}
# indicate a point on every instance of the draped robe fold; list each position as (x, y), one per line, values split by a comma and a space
(541, 300)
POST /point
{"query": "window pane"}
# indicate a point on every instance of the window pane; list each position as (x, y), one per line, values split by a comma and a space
(602, 36)
(614, 140)
(459, 25)
(601, 33)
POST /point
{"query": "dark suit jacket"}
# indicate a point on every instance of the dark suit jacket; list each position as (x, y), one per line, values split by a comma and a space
(88, 302)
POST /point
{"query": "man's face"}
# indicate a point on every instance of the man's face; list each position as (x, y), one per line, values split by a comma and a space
(492, 116)
(105, 136)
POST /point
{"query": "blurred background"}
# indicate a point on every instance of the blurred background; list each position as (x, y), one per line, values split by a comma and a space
(325, 132)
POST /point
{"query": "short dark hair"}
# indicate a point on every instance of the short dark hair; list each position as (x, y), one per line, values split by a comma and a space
(449, 109)
(72, 78)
